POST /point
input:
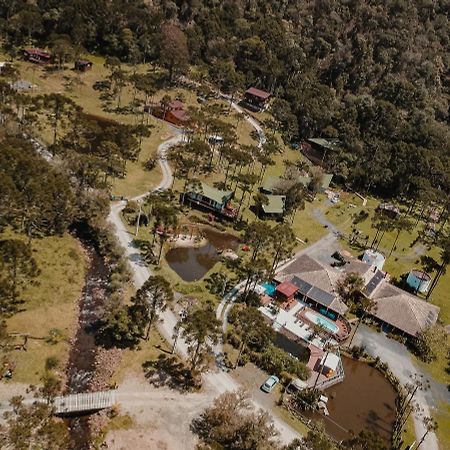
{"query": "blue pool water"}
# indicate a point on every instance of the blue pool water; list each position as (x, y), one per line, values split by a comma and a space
(269, 288)
(322, 321)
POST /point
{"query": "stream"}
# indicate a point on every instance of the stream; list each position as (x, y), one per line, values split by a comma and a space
(81, 366)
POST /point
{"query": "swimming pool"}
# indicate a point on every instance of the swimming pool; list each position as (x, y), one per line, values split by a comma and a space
(318, 320)
(269, 288)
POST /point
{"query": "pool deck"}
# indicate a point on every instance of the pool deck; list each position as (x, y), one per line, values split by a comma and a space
(292, 323)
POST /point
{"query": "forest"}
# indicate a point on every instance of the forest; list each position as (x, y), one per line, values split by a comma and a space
(373, 74)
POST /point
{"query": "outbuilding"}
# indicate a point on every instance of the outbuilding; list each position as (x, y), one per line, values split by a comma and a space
(83, 65)
(419, 281)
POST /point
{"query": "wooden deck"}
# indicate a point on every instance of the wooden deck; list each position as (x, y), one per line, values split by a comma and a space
(82, 403)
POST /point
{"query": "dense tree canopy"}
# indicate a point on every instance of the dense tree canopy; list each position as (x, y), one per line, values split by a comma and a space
(372, 74)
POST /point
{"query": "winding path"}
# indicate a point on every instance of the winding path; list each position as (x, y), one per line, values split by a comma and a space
(219, 381)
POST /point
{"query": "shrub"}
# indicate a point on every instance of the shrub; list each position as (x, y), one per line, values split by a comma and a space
(277, 361)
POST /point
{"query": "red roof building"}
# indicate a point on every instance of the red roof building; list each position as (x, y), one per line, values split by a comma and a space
(286, 290)
(37, 55)
(176, 116)
(256, 99)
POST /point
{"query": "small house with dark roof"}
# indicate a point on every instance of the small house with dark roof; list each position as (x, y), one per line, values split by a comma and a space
(318, 150)
(83, 65)
(37, 56)
(256, 99)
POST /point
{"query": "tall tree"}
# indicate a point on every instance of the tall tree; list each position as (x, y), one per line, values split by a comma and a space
(18, 268)
(149, 302)
(173, 52)
(231, 423)
(445, 261)
(252, 329)
(199, 329)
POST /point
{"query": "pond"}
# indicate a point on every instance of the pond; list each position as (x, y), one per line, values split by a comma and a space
(365, 400)
(193, 263)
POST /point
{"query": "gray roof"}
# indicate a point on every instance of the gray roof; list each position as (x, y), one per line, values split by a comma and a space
(214, 194)
(275, 205)
(330, 144)
(402, 310)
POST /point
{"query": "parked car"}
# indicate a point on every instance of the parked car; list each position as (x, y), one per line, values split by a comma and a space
(270, 383)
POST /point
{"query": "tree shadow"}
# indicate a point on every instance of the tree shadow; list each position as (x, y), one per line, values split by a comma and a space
(168, 371)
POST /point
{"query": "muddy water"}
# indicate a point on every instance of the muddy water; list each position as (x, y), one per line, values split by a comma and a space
(364, 400)
(192, 264)
(81, 366)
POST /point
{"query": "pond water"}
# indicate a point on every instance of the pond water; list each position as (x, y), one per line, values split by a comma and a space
(192, 264)
(365, 400)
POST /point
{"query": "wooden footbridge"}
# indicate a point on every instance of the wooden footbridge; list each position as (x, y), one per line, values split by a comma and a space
(83, 403)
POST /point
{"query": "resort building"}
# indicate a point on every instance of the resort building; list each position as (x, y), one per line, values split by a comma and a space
(400, 311)
(211, 199)
(316, 283)
(256, 99)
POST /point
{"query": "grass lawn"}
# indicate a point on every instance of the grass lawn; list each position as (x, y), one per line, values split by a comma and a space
(443, 432)
(139, 180)
(132, 360)
(50, 303)
(291, 420)
(408, 432)
(437, 368)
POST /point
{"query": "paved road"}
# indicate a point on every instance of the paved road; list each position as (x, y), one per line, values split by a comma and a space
(399, 360)
(219, 381)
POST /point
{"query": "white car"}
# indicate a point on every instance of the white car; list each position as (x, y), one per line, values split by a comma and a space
(270, 383)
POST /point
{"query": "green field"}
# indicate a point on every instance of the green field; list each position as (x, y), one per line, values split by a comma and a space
(50, 303)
